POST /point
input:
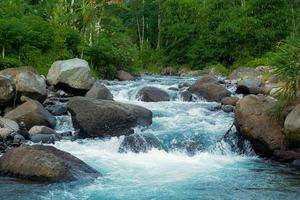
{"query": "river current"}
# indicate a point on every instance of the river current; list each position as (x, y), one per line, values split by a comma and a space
(195, 162)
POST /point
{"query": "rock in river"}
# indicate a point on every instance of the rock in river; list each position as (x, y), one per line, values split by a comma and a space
(99, 91)
(152, 94)
(101, 118)
(44, 163)
(72, 76)
(32, 113)
(253, 121)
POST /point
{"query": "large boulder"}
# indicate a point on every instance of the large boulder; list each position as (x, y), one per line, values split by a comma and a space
(102, 118)
(13, 72)
(44, 163)
(209, 90)
(254, 121)
(152, 94)
(124, 76)
(7, 90)
(249, 86)
(230, 101)
(41, 130)
(31, 85)
(245, 73)
(99, 91)
(72, 76)
(292, 127)
(31, 113)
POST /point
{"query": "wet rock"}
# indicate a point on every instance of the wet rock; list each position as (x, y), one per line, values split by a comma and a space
(186, 96)
(230, 101)
(184, 85)
(138, 143)
(210, 91)
(254, 122)
(7, 90)
(292, 127)
(18, 139)
(99, 91)
(286, 156)
(9, 124)
(31, 113)
(44, 163)
(245, 73)
(101, 118)
(124, 76)
(228, 108)
(41, 130)
(152, 94)
(57, 110)
(44, 138)
(72, 76)
(5, 132)
(249, 86)
(173, 89)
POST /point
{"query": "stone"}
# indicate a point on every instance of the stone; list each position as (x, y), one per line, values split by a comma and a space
(186, 96)
(44, 163)
(292, 127)
(169, 71)
(245, 73)
(230, 101)
(32, 113)
(44, 138)
(254, 122)
(7, 90)
(103, 118)
(210, 91)
(72, 76)
(41, 130)
(249, 86)
(228, 108)
(152, 94)
(57, 109)
(99, 91)
(124, 76)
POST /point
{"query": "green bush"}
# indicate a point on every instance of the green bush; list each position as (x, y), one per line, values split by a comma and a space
(9, 62)
(219, 69)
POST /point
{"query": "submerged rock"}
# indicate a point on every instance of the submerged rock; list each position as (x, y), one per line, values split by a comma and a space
(44, 163)
(101, 118)
(186, 96)
(99, 91)
(31, 113)
(139, 143)
(124, 76)
(152, 94)
(72, 76)
(253, 121)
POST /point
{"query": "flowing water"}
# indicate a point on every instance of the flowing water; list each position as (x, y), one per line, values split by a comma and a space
(195, 162)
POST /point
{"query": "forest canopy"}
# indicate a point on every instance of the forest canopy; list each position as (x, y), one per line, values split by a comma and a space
(145, 35)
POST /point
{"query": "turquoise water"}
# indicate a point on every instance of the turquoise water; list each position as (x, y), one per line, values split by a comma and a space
(216, 171)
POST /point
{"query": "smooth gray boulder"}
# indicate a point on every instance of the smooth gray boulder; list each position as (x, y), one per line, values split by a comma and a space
(152, 94)
(99, 91)
(292, 127)
(124, 76)
(72, 76)
(104, 118)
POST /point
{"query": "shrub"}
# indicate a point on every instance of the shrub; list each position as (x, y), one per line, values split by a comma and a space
(9, 62)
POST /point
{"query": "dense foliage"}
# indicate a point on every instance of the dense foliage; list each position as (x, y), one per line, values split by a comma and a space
(145, 34)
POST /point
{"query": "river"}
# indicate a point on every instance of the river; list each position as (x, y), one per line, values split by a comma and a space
(195, 162)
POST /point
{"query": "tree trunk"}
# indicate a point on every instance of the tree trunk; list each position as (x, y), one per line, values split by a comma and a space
(3, 51)
(143, 25)
(158, 29)
(139, 31)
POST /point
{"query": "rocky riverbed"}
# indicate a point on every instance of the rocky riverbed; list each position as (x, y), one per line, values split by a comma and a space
(139, 124)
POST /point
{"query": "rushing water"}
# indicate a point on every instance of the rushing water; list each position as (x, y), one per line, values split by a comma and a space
(216, 171)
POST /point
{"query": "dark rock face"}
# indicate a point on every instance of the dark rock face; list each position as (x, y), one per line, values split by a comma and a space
(152, 94)
(228, 108)
(249, 86)
(102, 118)
(44, 163)
(7, 90)
(210, 91)
(31, 113)
(286, 156)
(138, 143)
(99, 91)
(254, 122)
(57, 109)
(124, 76)
(44, 138)
(186, 96)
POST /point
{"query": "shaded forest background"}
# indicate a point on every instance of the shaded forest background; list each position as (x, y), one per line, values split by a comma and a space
(146, 35)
